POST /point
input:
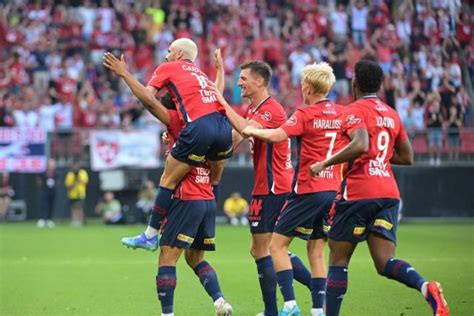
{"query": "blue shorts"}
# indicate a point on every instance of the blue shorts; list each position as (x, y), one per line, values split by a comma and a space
(305, 215)
(190, 224)
(264, 212)
(209, 137)
(354, 220)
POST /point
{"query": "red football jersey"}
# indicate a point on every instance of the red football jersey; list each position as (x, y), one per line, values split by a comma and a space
(318, 131)
(370, 176)
(273, 171)
(196, 185)
(189, 87)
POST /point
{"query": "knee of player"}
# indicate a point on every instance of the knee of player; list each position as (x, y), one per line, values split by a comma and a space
(277, 248)
(380, 268)
(192, 258)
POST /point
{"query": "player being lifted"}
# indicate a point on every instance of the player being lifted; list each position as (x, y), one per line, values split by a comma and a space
(207, 134)
(367, 204)
(317, 130)
(272, 176)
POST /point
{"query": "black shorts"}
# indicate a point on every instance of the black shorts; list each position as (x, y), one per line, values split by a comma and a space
(209, 137)
(353, 220)
(264, 212)
(190, 224)
(305, 215)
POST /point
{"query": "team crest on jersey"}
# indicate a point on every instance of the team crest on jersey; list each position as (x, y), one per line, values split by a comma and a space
(352, 120)
(266, 116)
(292, 121)
(329, 109)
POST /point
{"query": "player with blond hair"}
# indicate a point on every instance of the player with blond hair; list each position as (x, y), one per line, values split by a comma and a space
(317, 130)
(206, 135)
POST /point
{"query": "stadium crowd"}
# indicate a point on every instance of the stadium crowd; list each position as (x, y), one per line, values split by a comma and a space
(51, 54)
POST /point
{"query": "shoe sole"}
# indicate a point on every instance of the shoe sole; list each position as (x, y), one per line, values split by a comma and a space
(135, 248)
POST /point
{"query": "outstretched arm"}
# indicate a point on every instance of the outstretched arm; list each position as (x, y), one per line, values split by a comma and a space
(273, 135)
(146, 95)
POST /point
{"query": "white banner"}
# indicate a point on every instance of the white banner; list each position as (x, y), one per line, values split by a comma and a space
(114, 149)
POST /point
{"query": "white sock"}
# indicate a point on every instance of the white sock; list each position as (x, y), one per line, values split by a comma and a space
(171, 314)
(219, 301)
(289, 304)
(151, 232)
(316, 311)
(424, 289)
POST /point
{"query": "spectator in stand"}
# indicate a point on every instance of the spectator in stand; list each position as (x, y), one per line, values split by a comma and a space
(299, 58)
(339, 20)
(110, 209)
(76, 184)
(6, 194)
(47, 183)
(454, 124)
(359, 22)
(435, 133)
(146, 200)
(236, 209)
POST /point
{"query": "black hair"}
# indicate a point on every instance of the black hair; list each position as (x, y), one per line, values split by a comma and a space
(368, 76)
(259, 68)
(167, 101)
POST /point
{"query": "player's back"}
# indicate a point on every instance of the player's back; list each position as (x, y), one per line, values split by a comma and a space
(318, 136)
(189, 87)
(370, 176)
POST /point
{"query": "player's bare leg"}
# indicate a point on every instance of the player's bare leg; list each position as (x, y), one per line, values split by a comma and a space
(279, 250)
(317, 259)
(173, 173)
(208, 277)
(260, 245)
(217, 168)
(382, 251)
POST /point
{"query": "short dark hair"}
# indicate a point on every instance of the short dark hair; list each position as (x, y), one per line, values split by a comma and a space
(259, 68)
(167, 101)
(368, 76)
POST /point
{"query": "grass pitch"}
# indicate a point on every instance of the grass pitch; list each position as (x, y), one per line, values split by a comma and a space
(86, 271)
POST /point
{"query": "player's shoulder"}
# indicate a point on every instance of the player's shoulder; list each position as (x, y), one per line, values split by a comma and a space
(272, 106)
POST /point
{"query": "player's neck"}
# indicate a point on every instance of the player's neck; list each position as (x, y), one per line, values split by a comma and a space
(367, 95)
(312, 100)
(258, 98)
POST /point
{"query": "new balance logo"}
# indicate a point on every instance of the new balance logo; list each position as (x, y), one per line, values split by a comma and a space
(322, 292)
(410, 269)
(255, 224)
(260, 275)
(345, 270)
(340, 297)
(161, 294)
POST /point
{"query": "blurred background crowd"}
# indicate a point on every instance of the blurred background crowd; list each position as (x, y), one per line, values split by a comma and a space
(51, 73)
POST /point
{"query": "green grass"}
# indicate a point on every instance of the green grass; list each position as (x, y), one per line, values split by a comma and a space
(69, 271)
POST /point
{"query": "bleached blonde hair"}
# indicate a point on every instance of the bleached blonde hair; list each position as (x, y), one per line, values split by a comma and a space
(187, 46)
(320, 77)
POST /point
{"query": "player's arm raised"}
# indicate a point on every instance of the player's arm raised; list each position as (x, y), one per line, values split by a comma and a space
(220, 75)
(358, 145)
(146, 95)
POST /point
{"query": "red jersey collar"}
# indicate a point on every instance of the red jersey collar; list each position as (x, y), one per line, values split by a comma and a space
(253, 109)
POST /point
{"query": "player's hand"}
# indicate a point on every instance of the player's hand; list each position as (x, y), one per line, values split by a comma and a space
(219, 96)
(119, 66)
(165, 138)
(316, 168)
(218, 59)
(247, 132)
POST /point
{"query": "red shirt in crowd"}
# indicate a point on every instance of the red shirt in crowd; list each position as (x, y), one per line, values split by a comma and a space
(370, 176)
(271, 162)
(318, 131)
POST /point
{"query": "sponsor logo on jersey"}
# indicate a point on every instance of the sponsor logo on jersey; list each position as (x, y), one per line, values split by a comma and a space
(352, 120)
(197, 158)
(383, 223)
(358, 231)
(292, 121)
(186, 239)
(305, 231)
(209, 241)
